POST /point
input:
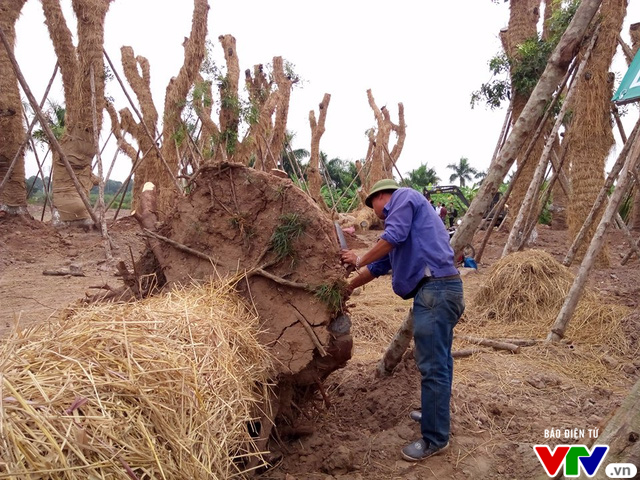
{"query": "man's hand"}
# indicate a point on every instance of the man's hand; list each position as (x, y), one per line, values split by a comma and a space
(349, 257)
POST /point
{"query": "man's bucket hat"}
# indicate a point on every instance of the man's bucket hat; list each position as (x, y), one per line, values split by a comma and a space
(379, 186)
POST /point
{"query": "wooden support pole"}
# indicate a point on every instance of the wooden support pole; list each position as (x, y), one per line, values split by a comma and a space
(631, 252)
(487, 342)
(621, 433)
(627, 233)
(47, 129)
(560, 325)
(96, 145)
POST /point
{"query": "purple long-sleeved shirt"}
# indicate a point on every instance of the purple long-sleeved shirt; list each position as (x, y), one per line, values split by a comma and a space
(420, 242)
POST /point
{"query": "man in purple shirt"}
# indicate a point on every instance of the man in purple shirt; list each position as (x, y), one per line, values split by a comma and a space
(415, 248)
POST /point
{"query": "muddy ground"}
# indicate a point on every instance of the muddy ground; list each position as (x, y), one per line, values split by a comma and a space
(502, 402)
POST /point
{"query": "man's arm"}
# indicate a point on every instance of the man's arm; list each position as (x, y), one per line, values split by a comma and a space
(379, 250)
(364, 276)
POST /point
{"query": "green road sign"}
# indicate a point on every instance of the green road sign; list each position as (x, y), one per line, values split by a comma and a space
(629, 89)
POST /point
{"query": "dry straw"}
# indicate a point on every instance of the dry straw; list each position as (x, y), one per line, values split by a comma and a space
(524, 293)
(162, 388)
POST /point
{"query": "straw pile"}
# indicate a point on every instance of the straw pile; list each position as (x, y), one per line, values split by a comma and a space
(524, 293)
(162, 388)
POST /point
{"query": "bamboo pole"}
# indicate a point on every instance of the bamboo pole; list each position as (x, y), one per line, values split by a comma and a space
(600, 199)
(516, 239)
(106, 241)
(45, 126)
(547, 193)
(570, 303)
(627, 233)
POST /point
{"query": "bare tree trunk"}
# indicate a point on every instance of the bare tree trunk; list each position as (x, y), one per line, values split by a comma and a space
(13, 197)
(555, 70)
(382, 159)
(317, 130)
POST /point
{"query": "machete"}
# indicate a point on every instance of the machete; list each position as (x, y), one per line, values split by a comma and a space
(343, 245)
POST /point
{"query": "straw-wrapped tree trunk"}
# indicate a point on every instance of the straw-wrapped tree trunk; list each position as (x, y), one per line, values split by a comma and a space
(523, 20)
(590, 134)
(13, 197)
(75, 63)
(159, 164)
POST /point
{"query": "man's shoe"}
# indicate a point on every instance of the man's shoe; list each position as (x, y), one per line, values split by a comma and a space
(419, 450)
(416, 415)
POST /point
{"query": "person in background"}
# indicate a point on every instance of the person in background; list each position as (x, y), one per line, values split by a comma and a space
(415, 248)
(453, 214)
(443, 213)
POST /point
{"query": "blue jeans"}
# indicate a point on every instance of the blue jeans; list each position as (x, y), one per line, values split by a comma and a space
(437, 307)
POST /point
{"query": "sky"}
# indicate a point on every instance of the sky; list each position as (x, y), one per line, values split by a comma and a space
(428, 56)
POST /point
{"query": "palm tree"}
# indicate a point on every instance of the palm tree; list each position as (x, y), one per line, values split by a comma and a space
(422, 176)
(462, 171)
(56, 120)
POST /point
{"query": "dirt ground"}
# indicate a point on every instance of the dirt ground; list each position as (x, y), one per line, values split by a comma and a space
(502, 402)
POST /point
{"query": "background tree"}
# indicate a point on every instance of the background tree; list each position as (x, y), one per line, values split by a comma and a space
(422, 177)
(462, 171)
(76, 64)
(291, 160)
(13, 197)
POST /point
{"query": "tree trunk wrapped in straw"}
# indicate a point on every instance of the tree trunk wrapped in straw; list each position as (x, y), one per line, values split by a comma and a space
(13, 194)
(523, 20)
(162, 388)
(75, 65)
(590, 134)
